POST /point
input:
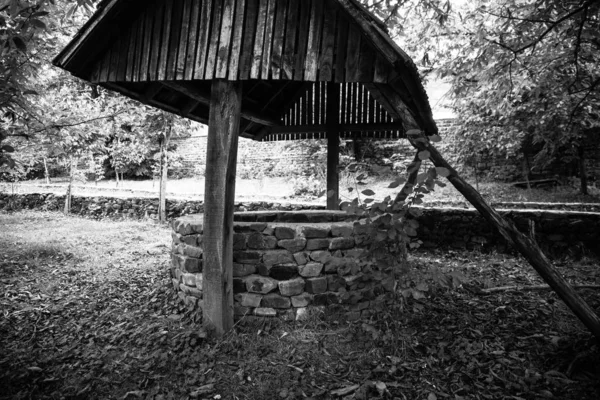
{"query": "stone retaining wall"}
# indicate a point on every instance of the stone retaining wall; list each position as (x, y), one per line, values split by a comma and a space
(283, 268)
(558, 232)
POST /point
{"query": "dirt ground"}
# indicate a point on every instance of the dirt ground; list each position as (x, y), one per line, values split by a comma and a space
(87, 313)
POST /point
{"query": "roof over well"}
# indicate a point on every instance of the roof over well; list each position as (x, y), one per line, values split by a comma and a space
(297, 59)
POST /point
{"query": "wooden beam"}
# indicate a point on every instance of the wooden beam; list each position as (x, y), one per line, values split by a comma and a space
(393, 104)
(333, 146)
(205, 98)
(524, 244)
(219, 196)
(340, 128)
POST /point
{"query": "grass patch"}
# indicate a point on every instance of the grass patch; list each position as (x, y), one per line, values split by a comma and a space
(87, 313)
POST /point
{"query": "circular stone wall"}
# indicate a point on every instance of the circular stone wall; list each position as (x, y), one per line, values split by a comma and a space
(286, 263)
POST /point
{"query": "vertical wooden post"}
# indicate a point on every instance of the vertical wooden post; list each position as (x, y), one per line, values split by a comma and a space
(219, 196)
(333, 146)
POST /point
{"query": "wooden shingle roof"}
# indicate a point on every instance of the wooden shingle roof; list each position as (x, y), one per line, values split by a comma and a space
(165, 53)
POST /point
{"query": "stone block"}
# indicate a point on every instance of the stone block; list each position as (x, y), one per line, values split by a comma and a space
(176, 238)
(310, 270)
(239, 241)
(275, 300)
(301, 258)
(284, 232)
(270, 242)
(256, 241)
(191, 240)
(316, 285)
(325, 299)
(355, 253)
(247, 257)
(200, 282)
(342, 230)
(320, 256)
(335, 283)
(283, 272)
(361, 229)
(269, 231)
(260, 284)
(292, 245)
(317, 244)
(191, 251)
(248, 299)
(276, 257)
(312, 232)
(302, 300)
(265, 312)
(241, 270)
(341, 243)
(292, 287)
(240, 311)
(189, 279)
(189, 264)
(239, 285)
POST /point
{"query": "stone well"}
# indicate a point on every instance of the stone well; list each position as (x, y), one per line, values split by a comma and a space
(286, 263)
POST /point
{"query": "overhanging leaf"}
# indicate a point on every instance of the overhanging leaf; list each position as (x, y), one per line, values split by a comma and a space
(368, 192)
(424, 155)
(444, 172)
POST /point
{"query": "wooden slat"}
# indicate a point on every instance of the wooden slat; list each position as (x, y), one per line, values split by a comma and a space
(342, 104)
(175, 38)
(278, 38)
(259, 37)
(121, 59)
(311, 64)
(309, 104)
(341, 46)
(246, 57)
(289, 49)
(139, 49)
(381, 70)
(304, 29)
(164, 43)
(366, 65)
(268, 43)
(365, 106)
(132, 39)
(213, 46)
(203, 38)
(353, 54)
(156, 45)
(328, 42)
(104, 67)
(190, 57)
(148, 29)
(236, 42)
(225, 39)
(184, 39)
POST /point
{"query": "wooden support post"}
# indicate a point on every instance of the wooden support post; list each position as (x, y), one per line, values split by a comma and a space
(219, 196)
(524, 244)
(333, 146)
(412, 175)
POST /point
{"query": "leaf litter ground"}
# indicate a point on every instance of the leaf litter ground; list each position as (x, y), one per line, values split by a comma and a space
(87, 313)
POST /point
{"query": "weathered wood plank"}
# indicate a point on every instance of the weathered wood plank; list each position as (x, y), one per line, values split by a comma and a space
(278, 38)
(288, 59)
(381, 70)
(184, 40)
(225, 39)
(121, 58)
(341, 46)
(132, 39)
(213, 46)
(365, 67)
(156, 42)
(190, 57)
(303, 31)
(139, 49)
(311, 64)
(259, 39)
(353, 54)
(175, 38)
(236, 42)
(164, 43)
(148, 28)
(246, 57)
(105, 66)
(328, 43)
(221, 159)
(203, 39)
(268, 42)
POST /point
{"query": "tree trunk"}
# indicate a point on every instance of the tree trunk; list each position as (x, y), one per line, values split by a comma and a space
(219, 197)
(582, 170)
(164, 172)
(525, 245)
(68, 196)
(46, 173)
(117, 176)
